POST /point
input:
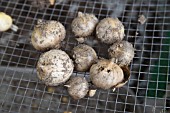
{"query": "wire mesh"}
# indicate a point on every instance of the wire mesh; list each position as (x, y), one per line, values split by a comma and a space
(148, 89)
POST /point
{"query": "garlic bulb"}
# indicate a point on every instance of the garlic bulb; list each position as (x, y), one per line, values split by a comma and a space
(122, 52)
(6, 23)
(84, 56)
(110, 30)
(47, 34)
(105, 74)
(77, 87)
(84, 24)
(54, 67)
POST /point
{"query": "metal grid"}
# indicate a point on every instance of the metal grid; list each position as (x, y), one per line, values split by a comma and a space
(148, 89)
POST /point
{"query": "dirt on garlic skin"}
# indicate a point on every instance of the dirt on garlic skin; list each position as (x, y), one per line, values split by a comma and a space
(54, 67)
(110, 30)
(78, 87)
(47, 35)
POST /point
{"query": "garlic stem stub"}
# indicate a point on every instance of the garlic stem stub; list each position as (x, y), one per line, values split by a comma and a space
(6, 23)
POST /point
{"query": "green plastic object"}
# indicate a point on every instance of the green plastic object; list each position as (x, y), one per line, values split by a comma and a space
(160, 74)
